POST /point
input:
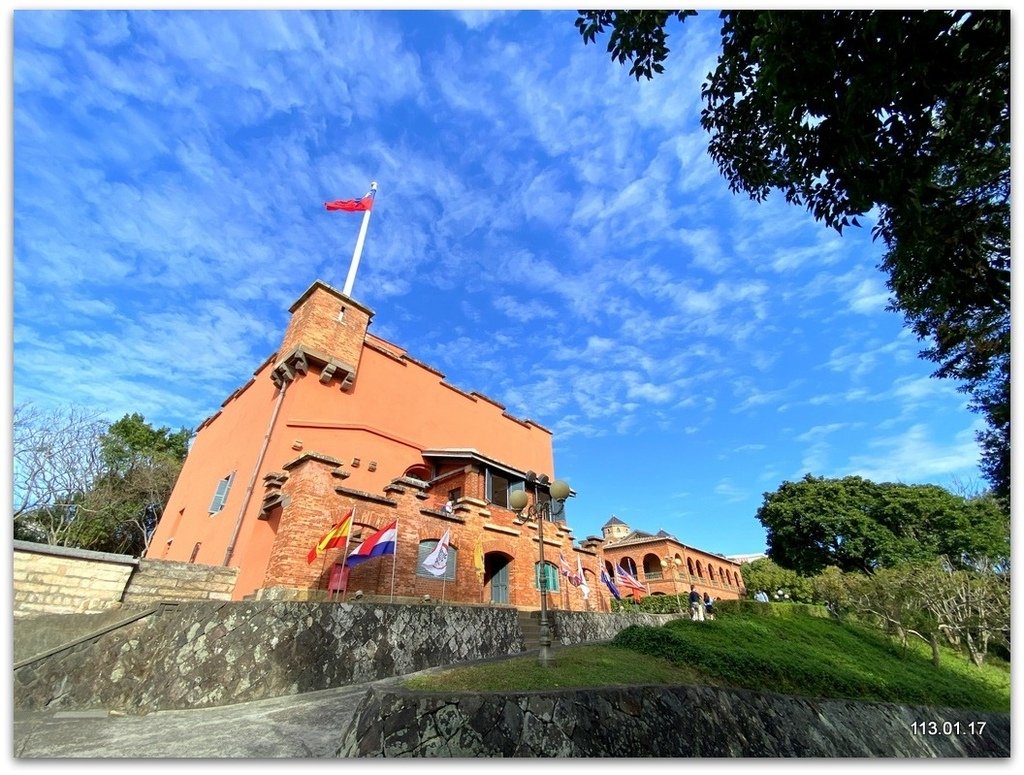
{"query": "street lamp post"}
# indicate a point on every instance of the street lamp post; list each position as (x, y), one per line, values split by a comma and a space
(538, 512)
(669, 565)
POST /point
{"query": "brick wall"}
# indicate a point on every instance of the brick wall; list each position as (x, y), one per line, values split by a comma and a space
(316, 498)
(313, 508)
(315, 327)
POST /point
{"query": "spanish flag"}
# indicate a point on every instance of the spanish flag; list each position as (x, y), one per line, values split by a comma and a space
(333, 538)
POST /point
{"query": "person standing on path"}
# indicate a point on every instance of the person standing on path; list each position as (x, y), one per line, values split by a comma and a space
(696, 605)
(709, 606)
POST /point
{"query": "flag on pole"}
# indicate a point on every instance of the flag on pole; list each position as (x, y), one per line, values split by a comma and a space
(584, 587)
(436, 562)
(379, 544)
(564, 566)
(478, 560)
(332, 539)
(624, 577)
(610, 584)
(352, 205)
(568, 572)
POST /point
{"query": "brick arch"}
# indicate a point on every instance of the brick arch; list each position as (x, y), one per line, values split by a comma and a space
(502, 545)
(652, 562)
(418, 471)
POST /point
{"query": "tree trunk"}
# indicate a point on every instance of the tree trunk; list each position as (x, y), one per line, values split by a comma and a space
(933, 641)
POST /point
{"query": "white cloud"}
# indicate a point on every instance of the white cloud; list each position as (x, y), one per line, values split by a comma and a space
(547, 232)
(868, 297)
(915, 456)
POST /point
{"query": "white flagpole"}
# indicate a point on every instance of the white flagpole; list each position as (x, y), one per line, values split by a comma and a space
(351, 279)
(344, 553)
(394, 557)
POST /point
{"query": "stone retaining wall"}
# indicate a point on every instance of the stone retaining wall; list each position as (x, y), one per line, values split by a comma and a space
(158, 581)
(61, 580)
(199, 655)
(659, 721)
(56, 579)
(573, 627)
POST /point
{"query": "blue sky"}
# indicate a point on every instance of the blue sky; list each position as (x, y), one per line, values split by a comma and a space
(547, 231)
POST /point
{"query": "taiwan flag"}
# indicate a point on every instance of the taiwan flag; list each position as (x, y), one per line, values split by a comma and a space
(379, 544)
(352, 205)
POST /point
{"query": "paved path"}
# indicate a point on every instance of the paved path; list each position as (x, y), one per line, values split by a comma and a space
(300, 726)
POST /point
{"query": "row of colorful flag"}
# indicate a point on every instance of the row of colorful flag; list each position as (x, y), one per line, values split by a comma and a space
(380, 544)
(384, 541)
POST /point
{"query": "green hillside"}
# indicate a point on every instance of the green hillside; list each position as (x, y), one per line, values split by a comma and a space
(796, 655)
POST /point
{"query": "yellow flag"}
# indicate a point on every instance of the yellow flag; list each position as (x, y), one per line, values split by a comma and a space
(478, 559)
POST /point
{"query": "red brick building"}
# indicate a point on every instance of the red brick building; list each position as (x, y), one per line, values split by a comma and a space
(665, 565)
(340, 419)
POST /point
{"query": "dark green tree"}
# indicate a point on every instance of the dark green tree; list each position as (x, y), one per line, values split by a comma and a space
(903, 114)
(764, 574)
(141, 465)
(854, 524)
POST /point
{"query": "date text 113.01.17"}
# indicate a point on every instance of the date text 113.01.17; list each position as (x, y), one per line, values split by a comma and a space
(947, 727)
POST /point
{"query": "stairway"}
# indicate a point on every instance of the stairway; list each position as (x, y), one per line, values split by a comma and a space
(529, 623)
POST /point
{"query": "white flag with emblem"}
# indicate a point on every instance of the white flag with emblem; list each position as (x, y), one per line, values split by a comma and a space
(437, 561)
(584, 587)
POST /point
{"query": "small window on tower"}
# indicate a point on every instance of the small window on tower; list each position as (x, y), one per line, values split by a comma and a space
(221, 495)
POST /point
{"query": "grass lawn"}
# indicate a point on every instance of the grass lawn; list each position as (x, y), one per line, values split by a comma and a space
(798, 655)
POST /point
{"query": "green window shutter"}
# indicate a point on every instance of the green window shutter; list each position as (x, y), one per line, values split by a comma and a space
(550, 575)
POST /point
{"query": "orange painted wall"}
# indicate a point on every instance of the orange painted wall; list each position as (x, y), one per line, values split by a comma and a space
(227, 443)
(396, 408)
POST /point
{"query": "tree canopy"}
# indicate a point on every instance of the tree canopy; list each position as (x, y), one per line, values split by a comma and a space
(854, 524)
(901, 114)
(80, 482)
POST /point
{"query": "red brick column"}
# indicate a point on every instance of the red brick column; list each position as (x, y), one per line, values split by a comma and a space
(313, 507)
